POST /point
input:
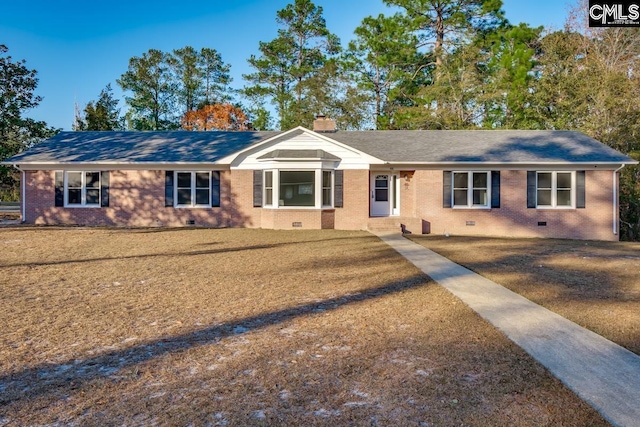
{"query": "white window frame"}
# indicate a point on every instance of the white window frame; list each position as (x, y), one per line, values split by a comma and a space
(83, 190)
(193, 188)
(265, 199)
(554, 190)
(318, 188)
(330, 188)
(470, 188)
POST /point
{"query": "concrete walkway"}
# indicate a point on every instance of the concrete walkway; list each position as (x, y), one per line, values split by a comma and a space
(601, 372)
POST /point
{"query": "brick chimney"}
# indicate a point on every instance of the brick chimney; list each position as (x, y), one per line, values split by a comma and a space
(323, 124)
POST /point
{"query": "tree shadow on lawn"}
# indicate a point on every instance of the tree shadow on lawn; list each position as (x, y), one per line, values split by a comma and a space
(436, 361)
(595, 284)
(126, 384)
(185, 253)
(64, 377)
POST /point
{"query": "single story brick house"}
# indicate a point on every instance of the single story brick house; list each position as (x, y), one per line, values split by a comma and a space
(499, 183)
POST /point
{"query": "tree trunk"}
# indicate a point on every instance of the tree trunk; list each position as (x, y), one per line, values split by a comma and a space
(439, 38)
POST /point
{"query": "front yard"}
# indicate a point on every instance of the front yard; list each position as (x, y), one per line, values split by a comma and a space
(594, 284)
(250, 327)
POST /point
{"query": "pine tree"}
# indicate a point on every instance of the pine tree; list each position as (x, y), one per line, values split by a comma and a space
(287, 67)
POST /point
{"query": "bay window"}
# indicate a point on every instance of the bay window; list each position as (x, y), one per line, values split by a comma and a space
(297, 188)
(281, 188)
(268, 188)
(326, 188)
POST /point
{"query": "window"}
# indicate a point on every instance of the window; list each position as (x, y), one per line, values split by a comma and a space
(268, 188)
(282, 188)
(471, 189)
(326, 188)
(382, 188)
(193, 189)
(555, 189)
(297, 188)
(82, 188)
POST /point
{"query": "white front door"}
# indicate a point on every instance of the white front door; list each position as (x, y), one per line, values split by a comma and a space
(383, 195)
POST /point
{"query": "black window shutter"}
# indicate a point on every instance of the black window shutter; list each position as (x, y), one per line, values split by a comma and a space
(104, 189)
(59, 184)
(580, 190)
(531, 189)
(338, 189)
(215, 189)
(495, 189)
(257, 189)
(168, 188)
(446, 189)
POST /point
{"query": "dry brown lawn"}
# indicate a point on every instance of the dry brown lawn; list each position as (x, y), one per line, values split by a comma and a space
(594, 284)
(250, 327)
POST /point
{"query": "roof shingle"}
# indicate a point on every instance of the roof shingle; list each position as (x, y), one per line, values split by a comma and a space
(418, 146)
(481, 146)
(140, 147)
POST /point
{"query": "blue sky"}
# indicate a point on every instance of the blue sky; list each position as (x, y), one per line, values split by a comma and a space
(79, 47)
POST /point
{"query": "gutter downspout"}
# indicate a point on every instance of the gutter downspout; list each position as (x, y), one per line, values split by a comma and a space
(23, 187)
(616, 203)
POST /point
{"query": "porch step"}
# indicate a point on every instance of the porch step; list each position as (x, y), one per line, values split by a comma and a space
(408, 225)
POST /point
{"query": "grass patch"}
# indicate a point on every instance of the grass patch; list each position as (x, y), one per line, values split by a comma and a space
(250, 327)
(594, 284)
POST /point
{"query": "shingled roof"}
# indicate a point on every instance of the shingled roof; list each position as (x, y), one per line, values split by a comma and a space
(426, 147)
(140, 147)
(481, 146)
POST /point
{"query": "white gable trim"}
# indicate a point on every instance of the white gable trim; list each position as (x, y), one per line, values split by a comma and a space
(343, 145)
(231, 157)
(239, 159)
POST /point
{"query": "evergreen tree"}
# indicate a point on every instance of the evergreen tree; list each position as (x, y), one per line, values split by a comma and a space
(154, 89)
(459, 20)
(287, 66)
(215, 77)
(509, 77)
(381, 60)
(102, 114)
(17, 132)
(189, 77)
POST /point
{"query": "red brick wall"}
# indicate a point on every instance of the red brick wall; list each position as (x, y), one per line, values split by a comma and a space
(513, 218)
(353, 216)
(284, 219)
(137, 199)
(328, 219)
(355, 213)
(407, 193)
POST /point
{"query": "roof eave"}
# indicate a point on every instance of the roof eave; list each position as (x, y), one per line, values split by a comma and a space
(459, 162)
(304, 159)
(114, 163)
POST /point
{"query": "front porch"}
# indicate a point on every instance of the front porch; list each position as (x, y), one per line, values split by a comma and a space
(399, 224)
